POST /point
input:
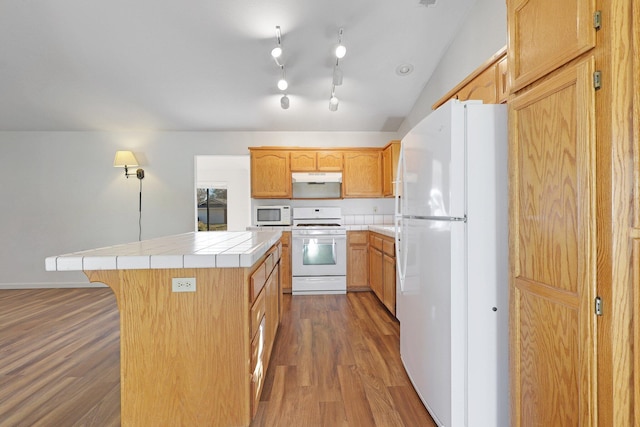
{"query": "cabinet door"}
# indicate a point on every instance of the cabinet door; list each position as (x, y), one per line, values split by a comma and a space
(390, 156)
(553, 255)
(329, 161)
(272, 309)
(285, 262)
(270, 174)
(482, 87)
(389, 283)
(502, 81)
(362, 174)
(303, 161)
(546, 34)
(375, 272)
(357, 260)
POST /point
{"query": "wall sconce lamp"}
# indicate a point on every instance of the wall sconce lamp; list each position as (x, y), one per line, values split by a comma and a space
(126, 159)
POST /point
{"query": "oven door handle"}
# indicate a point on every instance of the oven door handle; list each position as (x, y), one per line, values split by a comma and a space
(322, 240)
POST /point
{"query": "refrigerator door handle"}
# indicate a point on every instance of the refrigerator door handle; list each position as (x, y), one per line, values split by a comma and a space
(437, 218)
(397, 221)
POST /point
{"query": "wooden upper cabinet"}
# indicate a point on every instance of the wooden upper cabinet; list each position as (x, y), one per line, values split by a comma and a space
(270, 174)
(543, 35)
(303, 161)
(362, 175)
(483, 84)
(483, 87)
(390, 156)
(329, 161)
(312, 161)
(362, 169)
(502, 81)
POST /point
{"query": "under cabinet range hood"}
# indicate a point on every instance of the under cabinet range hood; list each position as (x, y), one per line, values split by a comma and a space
(317, 185)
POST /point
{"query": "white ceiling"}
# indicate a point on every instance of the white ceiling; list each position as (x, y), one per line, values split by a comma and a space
(206, 65)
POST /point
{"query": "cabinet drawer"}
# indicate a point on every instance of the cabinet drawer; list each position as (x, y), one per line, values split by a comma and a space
(269, 263)
(375, 241)
(258, 278)
(257, 366)
(257, 345)
(389, 248)
(257, 313)
(357, 238)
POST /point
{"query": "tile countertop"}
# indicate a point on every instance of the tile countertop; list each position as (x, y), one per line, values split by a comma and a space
(387, 230)
(213, 249)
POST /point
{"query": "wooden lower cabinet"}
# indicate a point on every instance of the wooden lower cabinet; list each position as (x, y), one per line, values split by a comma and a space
(264, 320)
(382, 269)
(389, 282)
(285, 262)
(195, 358)
(357, 260)
(375, 264)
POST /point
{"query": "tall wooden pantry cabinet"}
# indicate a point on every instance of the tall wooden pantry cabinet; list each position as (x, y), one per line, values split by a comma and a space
(574, 220)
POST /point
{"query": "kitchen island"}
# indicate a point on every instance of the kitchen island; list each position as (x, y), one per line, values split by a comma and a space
(198, 316)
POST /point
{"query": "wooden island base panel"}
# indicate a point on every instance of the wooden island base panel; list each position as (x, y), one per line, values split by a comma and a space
(193, 358)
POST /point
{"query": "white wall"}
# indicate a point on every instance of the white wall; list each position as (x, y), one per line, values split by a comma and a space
(60, 192)
(483, 33)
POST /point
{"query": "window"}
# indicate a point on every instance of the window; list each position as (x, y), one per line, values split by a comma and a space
(212, 208)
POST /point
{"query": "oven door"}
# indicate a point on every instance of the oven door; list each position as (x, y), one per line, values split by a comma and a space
(318, 255)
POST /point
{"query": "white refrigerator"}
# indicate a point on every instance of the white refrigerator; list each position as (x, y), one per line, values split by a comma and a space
(452, 261)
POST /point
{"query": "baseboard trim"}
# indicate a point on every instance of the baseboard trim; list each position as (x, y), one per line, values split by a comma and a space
(50, 285)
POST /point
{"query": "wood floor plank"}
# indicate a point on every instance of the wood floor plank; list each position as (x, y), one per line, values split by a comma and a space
(335, 363)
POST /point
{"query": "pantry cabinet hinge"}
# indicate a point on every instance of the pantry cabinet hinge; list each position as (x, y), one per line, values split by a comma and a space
(597, 80)
(597, 19)
(598, 306)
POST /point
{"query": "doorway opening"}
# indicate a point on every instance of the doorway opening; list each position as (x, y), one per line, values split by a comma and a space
(223, 194)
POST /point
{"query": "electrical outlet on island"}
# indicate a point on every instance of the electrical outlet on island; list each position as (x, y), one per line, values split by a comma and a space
(183, 284)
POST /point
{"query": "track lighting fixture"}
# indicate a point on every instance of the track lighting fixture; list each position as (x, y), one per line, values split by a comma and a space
(276, 52)
(340, 51)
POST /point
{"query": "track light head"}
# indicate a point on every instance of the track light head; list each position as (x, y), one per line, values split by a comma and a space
(341, 50)
(284, 102)
(333, 103)
(276, 52)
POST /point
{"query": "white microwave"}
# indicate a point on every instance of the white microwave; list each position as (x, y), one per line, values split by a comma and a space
(272, 215)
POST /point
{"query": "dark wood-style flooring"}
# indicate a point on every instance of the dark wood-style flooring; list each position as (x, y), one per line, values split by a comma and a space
(335, 362)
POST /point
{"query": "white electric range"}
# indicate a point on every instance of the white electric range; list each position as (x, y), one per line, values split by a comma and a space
(319, 251)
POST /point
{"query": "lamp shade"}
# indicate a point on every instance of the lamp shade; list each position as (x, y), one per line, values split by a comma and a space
(124, 158)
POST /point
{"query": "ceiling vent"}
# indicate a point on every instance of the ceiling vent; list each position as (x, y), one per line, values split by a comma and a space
(427, 3)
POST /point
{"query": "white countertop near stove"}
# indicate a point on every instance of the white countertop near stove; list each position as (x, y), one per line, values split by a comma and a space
(213, 249)
(387, 230)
